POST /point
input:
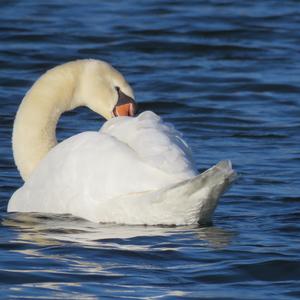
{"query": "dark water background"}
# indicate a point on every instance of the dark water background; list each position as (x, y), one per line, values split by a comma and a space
(226, 74)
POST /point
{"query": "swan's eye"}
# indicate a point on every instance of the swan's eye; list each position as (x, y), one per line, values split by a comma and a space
(118, 89)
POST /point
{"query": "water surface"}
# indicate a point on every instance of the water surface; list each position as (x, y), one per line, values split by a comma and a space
(226, 74)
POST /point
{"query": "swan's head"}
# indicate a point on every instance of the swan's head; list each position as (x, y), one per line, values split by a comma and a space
(104, 90)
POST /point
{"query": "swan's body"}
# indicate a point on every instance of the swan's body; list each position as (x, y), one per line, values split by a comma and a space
(134, 171)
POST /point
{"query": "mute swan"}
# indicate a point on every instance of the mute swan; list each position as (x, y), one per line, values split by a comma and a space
(135, 170)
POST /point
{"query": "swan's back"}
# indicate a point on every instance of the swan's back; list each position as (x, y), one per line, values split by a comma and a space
(156, 143)
(128, 155)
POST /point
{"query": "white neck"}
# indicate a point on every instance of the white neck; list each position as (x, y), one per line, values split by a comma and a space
(87, 82)
(35, 122)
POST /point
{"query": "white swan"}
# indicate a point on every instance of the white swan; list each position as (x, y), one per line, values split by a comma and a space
(135, 170)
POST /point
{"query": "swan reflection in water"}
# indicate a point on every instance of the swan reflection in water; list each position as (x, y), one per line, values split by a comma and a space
(72, 250)
(50, 229)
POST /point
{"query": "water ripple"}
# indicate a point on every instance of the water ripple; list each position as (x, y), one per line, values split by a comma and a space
(226, 74)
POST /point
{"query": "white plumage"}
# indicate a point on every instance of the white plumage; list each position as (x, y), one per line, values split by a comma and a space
(135, 170)
(126, 173)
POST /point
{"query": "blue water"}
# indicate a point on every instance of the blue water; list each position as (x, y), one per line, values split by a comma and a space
(226, 74)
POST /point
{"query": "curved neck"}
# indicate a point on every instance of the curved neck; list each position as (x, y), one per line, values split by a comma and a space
(34, 132)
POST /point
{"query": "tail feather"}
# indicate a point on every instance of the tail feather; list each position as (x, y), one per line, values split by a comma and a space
(189, 202)
(195, 200)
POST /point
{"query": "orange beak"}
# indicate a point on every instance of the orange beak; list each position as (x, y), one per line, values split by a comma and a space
(124, 110)
(125, 106)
